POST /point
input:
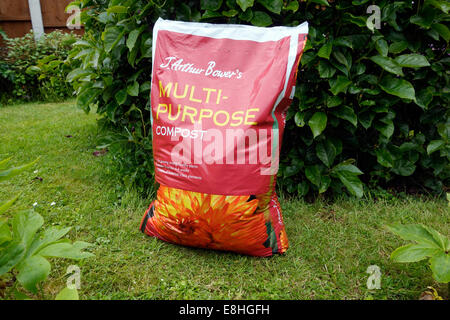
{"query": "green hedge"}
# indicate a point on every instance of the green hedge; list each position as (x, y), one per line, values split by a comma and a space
(371, 105)
(35, 70)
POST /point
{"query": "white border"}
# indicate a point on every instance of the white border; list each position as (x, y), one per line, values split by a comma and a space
(230, 31)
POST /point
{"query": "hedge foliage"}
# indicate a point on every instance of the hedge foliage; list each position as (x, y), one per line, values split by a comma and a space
(370, 107)
(35, 70)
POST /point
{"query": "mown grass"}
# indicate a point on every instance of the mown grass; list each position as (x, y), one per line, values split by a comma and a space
(332, 244)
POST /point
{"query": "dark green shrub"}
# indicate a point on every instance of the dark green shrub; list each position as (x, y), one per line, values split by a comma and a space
(5, 83)
(372, 98)
(35, 70)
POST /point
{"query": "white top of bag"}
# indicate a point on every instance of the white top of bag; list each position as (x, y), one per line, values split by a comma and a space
(230, 31)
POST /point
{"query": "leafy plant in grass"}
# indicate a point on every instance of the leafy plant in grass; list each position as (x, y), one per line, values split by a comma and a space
(25, 246)
(371, 105)
(428, 244)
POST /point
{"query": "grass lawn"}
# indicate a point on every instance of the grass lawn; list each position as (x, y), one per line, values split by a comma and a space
(331, 244)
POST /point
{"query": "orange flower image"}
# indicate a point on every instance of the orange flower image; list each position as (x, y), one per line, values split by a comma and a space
(284, 241)
(203, 220)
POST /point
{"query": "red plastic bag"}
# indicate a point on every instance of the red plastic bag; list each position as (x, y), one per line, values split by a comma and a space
(219, 99)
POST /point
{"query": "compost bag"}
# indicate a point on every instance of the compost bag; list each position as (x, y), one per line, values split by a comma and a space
(219, 98)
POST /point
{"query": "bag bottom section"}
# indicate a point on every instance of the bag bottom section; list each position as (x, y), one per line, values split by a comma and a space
(250, 225)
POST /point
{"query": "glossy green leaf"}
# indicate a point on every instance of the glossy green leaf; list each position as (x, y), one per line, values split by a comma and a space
(334, 101)
(349, 168)
(343, 58)
(324, 184)
(339, 84)
(230, 13)
(67, 294)
(344, 41)
(346, 113)
(7, 204)
(388, 64)
(184, 12)
(313, 174)
(11, 255)
(33, 270)
(245, 4)
(382, 47)
(425, 17)
(132, 38)
(212, 5)
(404, 167)
(442, 241)
(384, 157)
(246, 16)
(291, 171)
(435, 145)
(117, 9)
(338, 145)
(208, 14)
(398, 47)
(351, 181)
(442, 5)
(34, 70)
(424, 98)
(415, 232)
(303, 188)
(25, 224)
(86, 97)
(272, 5)
(359, 21)
(111, 37)
(292, 6)
(326, 152)
(386, 128)
(145, 87)
(413, 253)
(261, 19)
(442, 30)
(63, 250)
(318, 123)
(365, 119)
(325, 50)
(5, 233)
(81, 245)
(5, 163)
(398, 87)
(444, 130)
(326, 70)
(133, 90)
(440, 265)
(13, 171)
(48, 236)
(121, 96)
(412, 61)
(321, 2)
